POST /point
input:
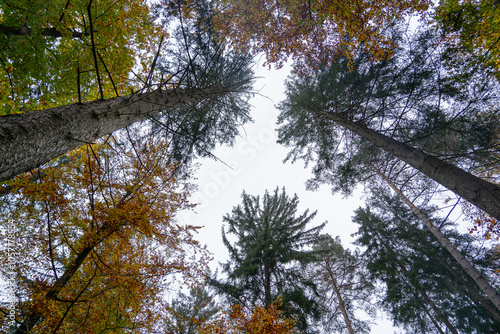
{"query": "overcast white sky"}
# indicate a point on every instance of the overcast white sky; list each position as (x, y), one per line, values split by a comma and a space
(256, 162)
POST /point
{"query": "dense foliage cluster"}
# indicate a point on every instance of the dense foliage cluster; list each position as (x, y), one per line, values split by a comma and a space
(104, 105)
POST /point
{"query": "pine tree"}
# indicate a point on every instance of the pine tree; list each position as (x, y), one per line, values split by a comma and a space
(269, 255)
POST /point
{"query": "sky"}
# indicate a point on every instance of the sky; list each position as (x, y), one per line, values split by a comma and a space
(255, 164)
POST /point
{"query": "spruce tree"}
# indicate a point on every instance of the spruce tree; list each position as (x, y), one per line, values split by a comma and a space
(271, 248)
(426, 290)
(190, 311)
(344, 287)
(344, 117)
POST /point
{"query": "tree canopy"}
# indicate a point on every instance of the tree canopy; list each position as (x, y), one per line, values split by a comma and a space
(313, 33)
(425, 288)
(471, 32)
(342, 118)
(192, 89)
(53, 50)
(272, 246)
(105, 104)
(97, 241)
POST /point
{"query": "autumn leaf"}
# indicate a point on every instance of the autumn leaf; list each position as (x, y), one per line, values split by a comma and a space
(98, 243)
(312, 33)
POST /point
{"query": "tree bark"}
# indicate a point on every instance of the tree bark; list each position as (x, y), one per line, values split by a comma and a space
(483, 284)
(339, 297)
(481, 193)
(30, 139)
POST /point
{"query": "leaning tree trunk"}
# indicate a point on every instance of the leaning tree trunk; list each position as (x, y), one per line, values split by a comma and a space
(483, 284)
(420, 290)
(34, 315)
(473, 294)
(30, 139)
(340, 299)
(481, 193)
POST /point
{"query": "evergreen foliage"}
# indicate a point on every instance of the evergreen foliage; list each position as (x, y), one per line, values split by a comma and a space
(408, 97)
(418, 272)
(191, 311)
(194, 129)
(270, 251)
(344, 287)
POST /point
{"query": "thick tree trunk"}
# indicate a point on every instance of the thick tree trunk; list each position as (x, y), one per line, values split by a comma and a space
(30, 139)
(481, 193)
(483, 284)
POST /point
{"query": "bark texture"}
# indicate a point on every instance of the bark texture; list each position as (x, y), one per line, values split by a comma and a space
(30, 139)
(481, 193)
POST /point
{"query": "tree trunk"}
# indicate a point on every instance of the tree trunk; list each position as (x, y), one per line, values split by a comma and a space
(434, 321)
(474, 295)
(483, 284)
(26, 31)
(34, 316)
(339, 297)
(481, 193)
(30, 139)
(422, 292)
(267, 286)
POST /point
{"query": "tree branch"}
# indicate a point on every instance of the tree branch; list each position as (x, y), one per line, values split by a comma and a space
(27, 31)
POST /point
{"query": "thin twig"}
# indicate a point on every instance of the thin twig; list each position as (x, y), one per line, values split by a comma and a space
(94, 49)
(109, 74)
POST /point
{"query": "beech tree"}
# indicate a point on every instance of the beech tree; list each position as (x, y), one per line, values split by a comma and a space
(260, 320)
(221, 78)
(313, 33)
(267, 259)
(425, 287)
(341, 119)
(97, 241)
(470, 29)
(51, 52)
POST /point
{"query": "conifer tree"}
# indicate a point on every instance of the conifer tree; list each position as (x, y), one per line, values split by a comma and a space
(345, 116)
(344, 287)
(273, 245)
(200, 97)
(189, 312)
(426, 290)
